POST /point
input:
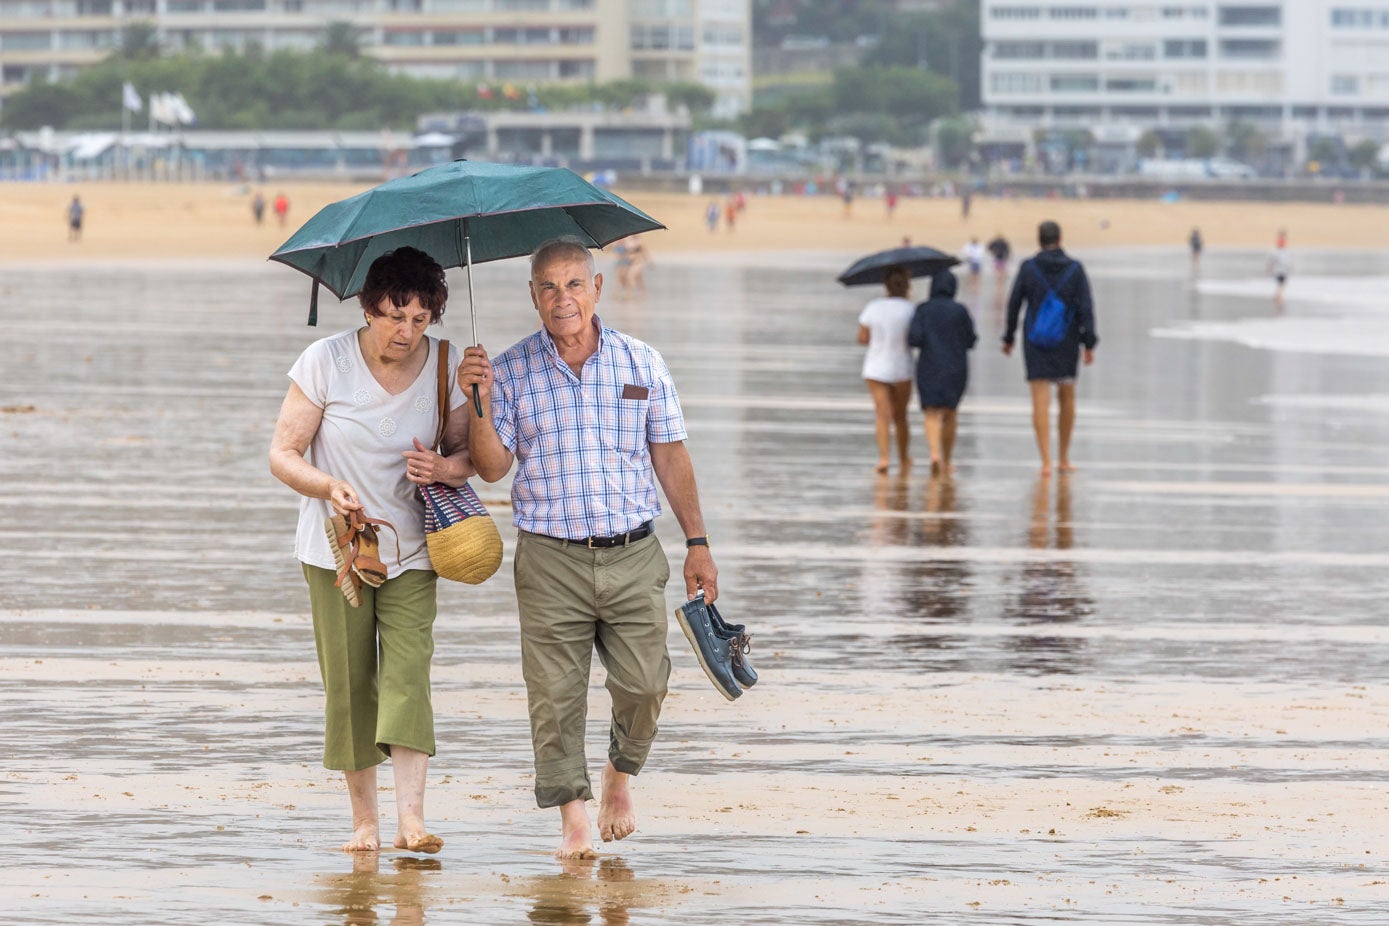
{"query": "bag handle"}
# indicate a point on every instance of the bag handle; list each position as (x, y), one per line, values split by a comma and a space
(443, 395)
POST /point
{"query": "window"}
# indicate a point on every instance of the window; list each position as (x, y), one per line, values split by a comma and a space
(578, 36)
(93, 7)
(1073, 12)
(1246, 49)
(1016, 12)
(1013, 51)
(523, 6)
(1131, 85)
(521, 70)
(26, 41)
(1075, 51)
(1015, 83)
(578, 69)
(1130, 51)
(1075, 83)
(413, 37)
(1345, 84)
(1184, 48)
(1251, 16)
(458, 36)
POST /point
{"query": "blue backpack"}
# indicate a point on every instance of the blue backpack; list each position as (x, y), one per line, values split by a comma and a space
(1051, 320)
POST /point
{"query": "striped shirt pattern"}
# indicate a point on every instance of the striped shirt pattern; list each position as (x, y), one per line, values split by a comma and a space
(582, 450)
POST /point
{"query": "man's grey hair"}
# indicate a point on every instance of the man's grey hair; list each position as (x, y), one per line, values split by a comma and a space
(556, 247)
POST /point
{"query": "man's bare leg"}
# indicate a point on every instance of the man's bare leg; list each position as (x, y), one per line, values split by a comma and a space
(1065, 424)
(577, 841)
(617, 817)
(366, 827)
(934, 421)
(949, 423)
(410, 767)
(1041, 420)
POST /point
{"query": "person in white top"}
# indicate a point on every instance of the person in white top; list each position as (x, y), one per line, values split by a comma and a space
(353, 439)
(887, 365)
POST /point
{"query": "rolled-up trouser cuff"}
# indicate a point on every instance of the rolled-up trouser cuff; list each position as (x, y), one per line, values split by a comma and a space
(628, 755)
(561, 782)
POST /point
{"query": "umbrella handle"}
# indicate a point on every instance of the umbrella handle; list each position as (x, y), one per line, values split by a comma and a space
(477, 401)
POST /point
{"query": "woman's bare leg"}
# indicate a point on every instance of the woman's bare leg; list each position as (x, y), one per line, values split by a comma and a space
(410, 767)
(366, 832)
(882, 414)
(949, 423)
(901, 399)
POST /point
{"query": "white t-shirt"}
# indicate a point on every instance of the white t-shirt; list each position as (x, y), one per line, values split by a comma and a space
(889, 358)
(364, 431)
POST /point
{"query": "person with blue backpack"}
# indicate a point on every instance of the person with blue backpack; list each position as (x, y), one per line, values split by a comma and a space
(1058, 331)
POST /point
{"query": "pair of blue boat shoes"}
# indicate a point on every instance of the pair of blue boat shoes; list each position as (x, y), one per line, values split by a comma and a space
(722, 648)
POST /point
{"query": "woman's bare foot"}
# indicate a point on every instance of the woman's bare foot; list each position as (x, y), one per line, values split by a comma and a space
(881, 467)
(413, 837)
(617, 817)
(935, 467)
(905, 464)
(578, 834)
(365, 838)
(1067, 466)
(1046, 471)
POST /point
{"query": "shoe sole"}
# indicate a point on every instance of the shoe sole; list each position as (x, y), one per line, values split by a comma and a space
(349, 591)
(699, 653)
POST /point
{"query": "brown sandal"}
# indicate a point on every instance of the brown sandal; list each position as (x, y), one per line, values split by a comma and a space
(356, 552)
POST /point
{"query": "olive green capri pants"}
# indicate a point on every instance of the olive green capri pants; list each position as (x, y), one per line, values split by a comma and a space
(572, 600)
(375, 665)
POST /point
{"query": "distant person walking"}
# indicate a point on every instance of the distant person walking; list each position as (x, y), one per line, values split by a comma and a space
(75, 213)
(258, 207)
(1195, 242)
(943, 330)
(973, 253)
(966, 196)
(711, 216)
(1279, 266)
(890, 202)
(281, 208)
(887, 365)
(1059, 325)
(999, 248)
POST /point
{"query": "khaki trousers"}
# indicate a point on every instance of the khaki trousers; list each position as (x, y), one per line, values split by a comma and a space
(375, 665)
(573, 600)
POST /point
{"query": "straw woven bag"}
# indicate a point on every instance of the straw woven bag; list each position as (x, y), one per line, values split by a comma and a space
(463, 541)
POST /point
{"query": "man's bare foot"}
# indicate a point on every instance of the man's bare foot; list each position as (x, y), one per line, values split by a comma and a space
(617, 818)
(413, 837)
(1067, 466)
(935, 467)
(905, 464)
(365, 838)
(1046, 470)
(881, 467)
(578, 834)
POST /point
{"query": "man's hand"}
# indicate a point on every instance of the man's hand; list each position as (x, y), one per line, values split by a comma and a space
(1007, 348)
(701, 573)
(476, 370)
(1089, 356)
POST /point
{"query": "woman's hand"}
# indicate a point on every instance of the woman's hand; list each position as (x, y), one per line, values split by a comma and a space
(423, 466)
(343, 498)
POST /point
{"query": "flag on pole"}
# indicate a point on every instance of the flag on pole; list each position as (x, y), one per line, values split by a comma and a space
(130, 98)
(181, 110)
(162, 108)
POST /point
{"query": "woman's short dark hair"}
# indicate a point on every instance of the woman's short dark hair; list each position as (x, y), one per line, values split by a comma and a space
(898, 281)
(401, 275)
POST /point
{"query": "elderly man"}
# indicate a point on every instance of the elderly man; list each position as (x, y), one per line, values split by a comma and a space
(591, 418)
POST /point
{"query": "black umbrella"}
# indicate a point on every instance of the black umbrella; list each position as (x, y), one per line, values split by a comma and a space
(919, 262)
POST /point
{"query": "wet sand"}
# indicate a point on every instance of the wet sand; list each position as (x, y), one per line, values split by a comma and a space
(1149, 692)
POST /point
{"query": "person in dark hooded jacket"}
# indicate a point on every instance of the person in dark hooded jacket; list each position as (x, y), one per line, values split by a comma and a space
(943, 330)
(1052, 269)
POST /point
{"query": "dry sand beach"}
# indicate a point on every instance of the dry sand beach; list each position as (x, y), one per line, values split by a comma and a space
(1152, 692)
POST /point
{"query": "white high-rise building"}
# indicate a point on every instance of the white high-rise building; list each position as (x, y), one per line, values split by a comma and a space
(1290, 66)
(522, 41)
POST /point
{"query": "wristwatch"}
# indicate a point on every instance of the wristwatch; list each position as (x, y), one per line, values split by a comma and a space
(696, 542)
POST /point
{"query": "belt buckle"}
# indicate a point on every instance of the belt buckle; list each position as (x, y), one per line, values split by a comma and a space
(589, 541)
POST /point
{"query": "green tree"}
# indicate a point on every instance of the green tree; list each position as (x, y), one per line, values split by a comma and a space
(1201, 142)
(947, 43)
(342, 38)
(954, 141)
(139, 41)
(1364, 156)
(1245, 141)
(1148, 144)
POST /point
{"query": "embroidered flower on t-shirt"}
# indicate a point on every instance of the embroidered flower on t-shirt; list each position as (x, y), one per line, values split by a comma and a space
(423, 403)
(361, 397)
(344, 363)
(386, 427)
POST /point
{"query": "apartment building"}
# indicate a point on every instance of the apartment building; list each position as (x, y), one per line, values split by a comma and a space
(1292, 67)
(522, 41)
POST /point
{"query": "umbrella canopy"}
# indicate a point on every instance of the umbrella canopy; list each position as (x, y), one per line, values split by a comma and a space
(919, 261)
(493, 211)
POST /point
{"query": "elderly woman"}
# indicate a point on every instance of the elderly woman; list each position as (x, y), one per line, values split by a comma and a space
(887, 364)
(353, 439)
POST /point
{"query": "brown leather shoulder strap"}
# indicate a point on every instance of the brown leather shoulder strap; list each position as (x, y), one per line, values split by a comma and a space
(443, 394)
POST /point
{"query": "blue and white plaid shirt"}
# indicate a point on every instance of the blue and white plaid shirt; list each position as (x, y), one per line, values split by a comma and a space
(583, 462)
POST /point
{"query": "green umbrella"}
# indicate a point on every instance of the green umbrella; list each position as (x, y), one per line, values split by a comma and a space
(461, 213)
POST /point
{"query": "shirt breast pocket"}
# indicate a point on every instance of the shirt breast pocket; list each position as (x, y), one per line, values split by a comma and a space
(625, 427)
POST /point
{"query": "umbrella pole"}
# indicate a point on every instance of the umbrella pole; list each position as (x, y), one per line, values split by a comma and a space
(472, 310)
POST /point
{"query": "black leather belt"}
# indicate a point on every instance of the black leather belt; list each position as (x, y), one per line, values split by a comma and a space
(617, 540)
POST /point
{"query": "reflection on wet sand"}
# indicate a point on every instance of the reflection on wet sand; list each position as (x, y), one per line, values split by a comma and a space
(1050, 590)
(366, 896)
(565, 899)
